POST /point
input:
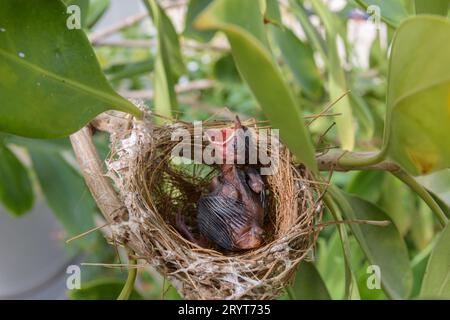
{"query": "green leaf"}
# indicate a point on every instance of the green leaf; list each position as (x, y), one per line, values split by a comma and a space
(103, 289)
(418, 101)
(50, 82)
(16, 192)
(436, 282)
(168, 62)
(380, 244)
(242, 23)
(439, 7)
(392, 12)
(337, 83)
(308, 283)
(193, 10)
(300, 59)
(66, 194)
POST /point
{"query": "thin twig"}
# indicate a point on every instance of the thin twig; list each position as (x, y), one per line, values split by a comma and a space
(87, 232)
(328, 107)
(201, 84)
(380, 223)
(143, 43)
(129, 21)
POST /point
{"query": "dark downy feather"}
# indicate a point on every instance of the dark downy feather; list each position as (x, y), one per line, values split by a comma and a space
(218, 216)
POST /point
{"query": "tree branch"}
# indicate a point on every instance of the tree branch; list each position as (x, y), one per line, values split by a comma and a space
(93, 173)
(179, 88)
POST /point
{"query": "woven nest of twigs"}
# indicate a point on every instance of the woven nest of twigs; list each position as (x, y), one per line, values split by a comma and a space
(153, 190)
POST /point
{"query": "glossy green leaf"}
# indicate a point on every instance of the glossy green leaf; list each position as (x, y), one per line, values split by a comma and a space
(249, 46)
(195, 7)
(392, 12)
(103, 289)
(439, 7)
(50, 81)
(380, 244)
(418, 102)
(66, 194)
(436, 282)
(300, 59)
(308, 283)
(16, 192)
(168, 62)
(337, 84)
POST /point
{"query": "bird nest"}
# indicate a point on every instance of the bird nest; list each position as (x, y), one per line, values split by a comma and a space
(153, 189)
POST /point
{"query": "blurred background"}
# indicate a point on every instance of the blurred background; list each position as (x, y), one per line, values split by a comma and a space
(52, 203)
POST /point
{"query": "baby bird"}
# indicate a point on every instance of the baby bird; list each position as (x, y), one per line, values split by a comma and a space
(232, 214)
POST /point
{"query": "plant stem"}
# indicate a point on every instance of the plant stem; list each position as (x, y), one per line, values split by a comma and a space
(355, 160)
(423, 193)
(341, 160)
(129, 284)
